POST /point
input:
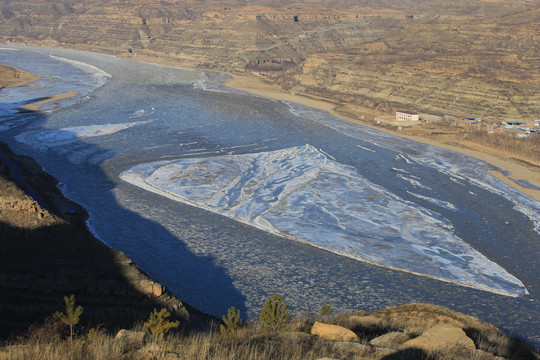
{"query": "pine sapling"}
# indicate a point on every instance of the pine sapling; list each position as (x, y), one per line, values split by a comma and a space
(326, 312)
(72, 315)
(274, 314)
(232, 322)
(157, 324)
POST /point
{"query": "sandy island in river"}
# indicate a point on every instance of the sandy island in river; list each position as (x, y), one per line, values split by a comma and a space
(11, 76)
(36, 105)
(511, 169)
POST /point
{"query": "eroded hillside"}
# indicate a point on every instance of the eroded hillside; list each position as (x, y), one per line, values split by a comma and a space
(444, 57)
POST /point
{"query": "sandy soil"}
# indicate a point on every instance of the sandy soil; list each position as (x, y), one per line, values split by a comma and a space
(510, 167)
(11, 76)
(36, 106)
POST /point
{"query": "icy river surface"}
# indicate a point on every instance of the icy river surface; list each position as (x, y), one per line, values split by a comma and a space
(227, 198)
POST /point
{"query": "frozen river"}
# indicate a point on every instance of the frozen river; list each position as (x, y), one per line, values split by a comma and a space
(227, 198)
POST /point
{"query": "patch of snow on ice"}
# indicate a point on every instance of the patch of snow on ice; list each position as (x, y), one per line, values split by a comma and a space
(57, 137)
(99, 75)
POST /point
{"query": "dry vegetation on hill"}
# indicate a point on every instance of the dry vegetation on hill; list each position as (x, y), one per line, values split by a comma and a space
(394, 333)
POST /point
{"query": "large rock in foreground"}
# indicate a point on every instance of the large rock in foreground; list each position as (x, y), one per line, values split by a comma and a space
(439, 337)
(333, 332)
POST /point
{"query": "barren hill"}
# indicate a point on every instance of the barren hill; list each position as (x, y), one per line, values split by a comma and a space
(445, 57)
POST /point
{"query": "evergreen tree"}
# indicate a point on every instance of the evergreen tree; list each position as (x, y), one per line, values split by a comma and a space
(274, 314)
(157, 324)
(72, 315)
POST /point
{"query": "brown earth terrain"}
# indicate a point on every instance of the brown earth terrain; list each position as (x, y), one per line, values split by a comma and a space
(442, 57)
(11, 76)
(451, 59)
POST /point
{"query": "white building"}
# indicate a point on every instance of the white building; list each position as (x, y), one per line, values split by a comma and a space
(407, 116)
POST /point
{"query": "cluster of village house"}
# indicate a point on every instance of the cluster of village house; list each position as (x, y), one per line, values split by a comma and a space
(520, 128)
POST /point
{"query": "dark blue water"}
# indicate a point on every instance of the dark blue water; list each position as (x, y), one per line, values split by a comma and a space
(145, 113)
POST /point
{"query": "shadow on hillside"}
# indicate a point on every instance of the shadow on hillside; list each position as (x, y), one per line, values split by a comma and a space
(509, 348)
(39, 267)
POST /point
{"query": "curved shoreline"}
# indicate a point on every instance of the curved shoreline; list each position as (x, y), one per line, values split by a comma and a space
(511, 170)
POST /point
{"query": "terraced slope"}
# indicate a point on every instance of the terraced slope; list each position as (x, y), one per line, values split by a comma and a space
(444, 57)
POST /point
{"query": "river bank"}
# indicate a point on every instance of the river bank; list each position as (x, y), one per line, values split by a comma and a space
(511, 170)
(48, 253)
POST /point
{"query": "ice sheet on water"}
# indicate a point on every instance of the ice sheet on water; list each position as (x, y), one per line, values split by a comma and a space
(441, 203)
(100, 76)
(302, 194)
(413, 182)
(460, 168)
(57, 137)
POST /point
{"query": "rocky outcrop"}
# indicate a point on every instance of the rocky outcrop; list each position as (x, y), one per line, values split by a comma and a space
(390, 340)
(333, 332)
(131, 338)
(441, 337)
(420, 331)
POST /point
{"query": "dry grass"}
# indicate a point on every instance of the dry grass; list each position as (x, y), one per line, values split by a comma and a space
(294, 342)
(246, 344)
(506, 142)
(503, 143)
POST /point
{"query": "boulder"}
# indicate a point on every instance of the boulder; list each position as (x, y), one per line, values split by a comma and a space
(440, 337)
(390, 340)
(155, 351)
(333, 332)
(150, 287)
(132, 339)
